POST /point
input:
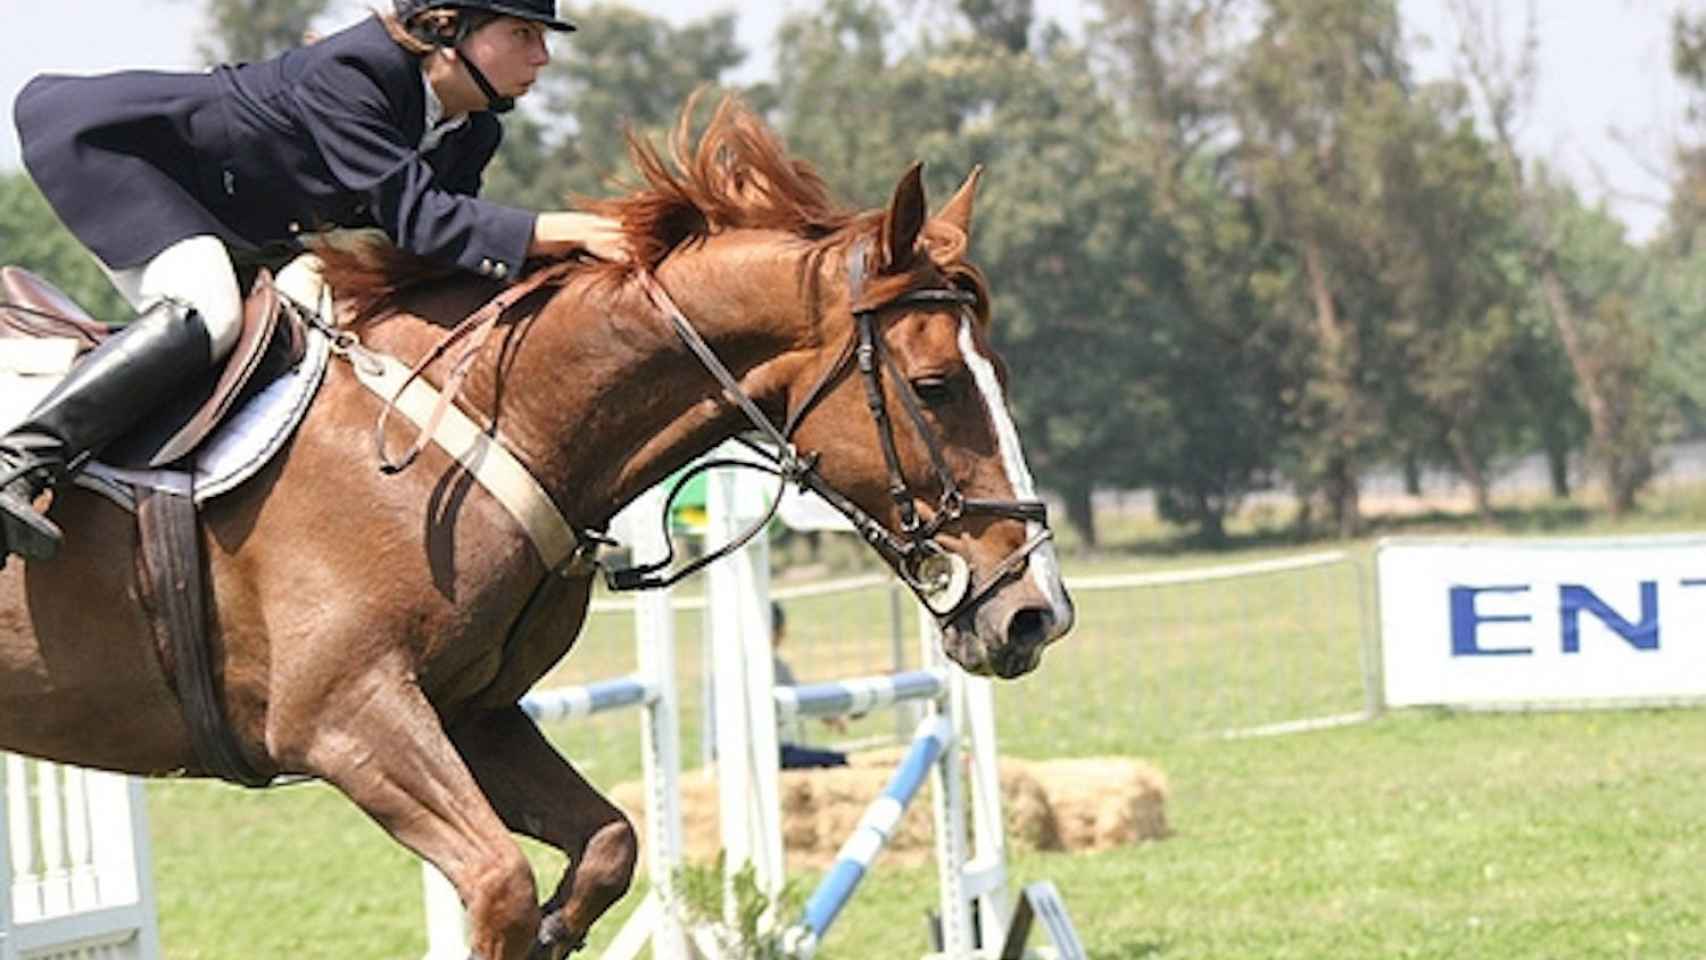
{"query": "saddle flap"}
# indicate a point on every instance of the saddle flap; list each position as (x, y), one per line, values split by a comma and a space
(34, 308)
(260, 319)
(178, 428)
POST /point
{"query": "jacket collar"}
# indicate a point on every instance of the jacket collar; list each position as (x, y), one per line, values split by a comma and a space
(435, 127)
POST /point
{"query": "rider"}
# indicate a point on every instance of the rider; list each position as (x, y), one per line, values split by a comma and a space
(174, 181)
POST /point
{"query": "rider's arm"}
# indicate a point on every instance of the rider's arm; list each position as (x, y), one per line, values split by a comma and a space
(354, 122)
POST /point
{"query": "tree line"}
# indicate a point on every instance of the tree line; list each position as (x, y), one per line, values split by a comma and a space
(1237, 245)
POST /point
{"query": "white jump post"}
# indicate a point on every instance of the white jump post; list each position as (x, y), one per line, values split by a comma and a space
(652, 688)
(75, 865)
(738, 589)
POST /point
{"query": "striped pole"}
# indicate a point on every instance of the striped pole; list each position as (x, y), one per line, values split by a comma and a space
(868, 838)
(861, 695)
(575, 702)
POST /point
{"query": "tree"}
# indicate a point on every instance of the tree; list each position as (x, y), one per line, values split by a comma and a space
(1688, 194)
(1006, 23)
(1451, 259)
(1082, 269)
(1607, 355)
(836, 97)
(1674, 300)
(1086, 289)
(568, 139)
(33, 238)
(1233, 375)
(244, 31)
(1315, 94)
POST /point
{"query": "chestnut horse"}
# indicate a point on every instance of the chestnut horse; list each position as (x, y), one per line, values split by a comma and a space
(364, 624)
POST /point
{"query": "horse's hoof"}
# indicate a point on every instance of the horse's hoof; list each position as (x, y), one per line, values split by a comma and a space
(556, 941)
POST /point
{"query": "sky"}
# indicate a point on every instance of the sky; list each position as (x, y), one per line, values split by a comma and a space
(1606, 107)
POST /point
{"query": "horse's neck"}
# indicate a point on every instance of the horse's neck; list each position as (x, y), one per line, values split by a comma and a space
(631, 403)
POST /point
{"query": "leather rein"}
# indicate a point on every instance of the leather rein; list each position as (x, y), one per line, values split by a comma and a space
(939, 577)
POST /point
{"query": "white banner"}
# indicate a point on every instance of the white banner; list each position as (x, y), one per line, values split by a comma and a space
(1481, 622)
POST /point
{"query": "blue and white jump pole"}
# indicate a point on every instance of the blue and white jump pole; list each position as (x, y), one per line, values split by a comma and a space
(875, 828)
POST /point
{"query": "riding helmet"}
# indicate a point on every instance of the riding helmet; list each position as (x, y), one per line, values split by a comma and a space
(539, 11)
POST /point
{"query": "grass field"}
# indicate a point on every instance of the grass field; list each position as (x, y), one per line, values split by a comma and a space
(1419, 834)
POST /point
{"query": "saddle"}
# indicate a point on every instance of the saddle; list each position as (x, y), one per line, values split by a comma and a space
(272, 342)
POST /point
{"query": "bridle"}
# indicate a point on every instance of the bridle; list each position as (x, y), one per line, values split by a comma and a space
(940, 578)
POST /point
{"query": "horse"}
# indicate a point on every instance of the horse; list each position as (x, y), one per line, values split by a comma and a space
(375, 629)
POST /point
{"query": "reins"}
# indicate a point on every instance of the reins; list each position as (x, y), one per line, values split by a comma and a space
(478, 328)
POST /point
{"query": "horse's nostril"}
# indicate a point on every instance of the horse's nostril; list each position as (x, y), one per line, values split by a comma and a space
(1028, 629)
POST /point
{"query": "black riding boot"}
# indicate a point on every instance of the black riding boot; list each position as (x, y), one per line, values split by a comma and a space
(112, 389)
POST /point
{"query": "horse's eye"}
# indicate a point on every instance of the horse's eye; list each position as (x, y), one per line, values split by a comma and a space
(935, 391)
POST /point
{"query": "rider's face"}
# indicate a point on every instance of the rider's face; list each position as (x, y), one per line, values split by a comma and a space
(511, 52)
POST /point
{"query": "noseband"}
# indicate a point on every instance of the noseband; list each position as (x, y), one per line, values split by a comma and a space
(940, 578)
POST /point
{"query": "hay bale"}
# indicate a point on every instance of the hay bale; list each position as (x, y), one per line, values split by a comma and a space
(820, 808)
(1027, 811)
(1104, 802)
(1080, 804)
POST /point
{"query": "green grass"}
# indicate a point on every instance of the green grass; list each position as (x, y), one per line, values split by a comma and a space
(1420, 835)
(1417, 835)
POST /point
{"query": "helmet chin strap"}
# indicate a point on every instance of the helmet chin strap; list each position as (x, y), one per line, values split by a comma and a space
(494, 102)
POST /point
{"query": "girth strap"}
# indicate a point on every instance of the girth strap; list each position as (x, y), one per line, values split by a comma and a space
(171, 559)
(561, 549)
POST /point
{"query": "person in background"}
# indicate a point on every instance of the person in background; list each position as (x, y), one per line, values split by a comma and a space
(794, 754)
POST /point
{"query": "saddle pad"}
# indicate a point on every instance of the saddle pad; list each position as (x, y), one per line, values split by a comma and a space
(28, 370)
(243, 444)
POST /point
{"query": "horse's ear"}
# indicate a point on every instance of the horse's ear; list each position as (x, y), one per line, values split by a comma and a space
(957, 211)
(903, 220)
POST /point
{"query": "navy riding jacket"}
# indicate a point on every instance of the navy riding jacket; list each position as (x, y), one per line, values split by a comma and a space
(326, 135)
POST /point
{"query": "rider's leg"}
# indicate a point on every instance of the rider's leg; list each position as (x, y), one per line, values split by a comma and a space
(191, 314)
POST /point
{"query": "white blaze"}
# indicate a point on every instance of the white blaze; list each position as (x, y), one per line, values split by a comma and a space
(1043, 565)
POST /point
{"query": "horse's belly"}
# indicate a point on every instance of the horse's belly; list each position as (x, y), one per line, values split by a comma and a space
(92, 730)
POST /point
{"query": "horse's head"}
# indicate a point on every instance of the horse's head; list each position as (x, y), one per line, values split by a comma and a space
(905, 411)
(867, 334)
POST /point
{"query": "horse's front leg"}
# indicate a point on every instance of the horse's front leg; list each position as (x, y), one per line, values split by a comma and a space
(379, 741)
(539, 794)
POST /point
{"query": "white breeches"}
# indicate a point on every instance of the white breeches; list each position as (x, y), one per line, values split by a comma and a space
(196, 271)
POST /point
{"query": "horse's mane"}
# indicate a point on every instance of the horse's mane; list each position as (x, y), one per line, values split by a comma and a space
(736, 174)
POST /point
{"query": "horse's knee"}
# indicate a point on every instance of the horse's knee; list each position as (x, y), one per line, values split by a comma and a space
(503, 900)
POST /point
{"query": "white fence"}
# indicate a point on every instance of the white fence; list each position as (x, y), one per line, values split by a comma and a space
(1213, 651)
(75, 878)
